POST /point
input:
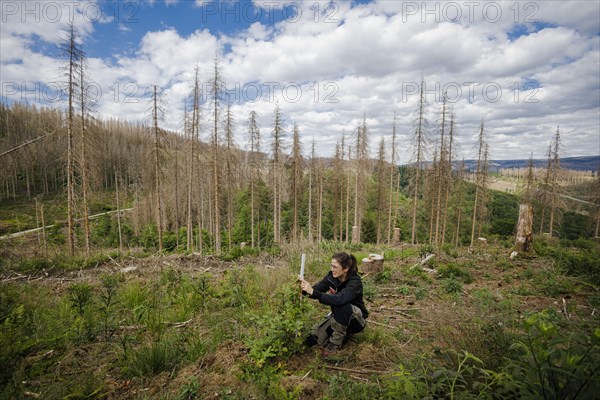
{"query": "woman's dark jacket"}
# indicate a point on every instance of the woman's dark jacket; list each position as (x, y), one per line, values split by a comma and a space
(332, 292)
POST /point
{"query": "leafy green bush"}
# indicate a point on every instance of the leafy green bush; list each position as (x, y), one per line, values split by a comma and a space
(452, 285)
(280, 331)
(149, 236)
(581, 261)
(237, 252)
(383, 276)
(453, 271)
(552, 365)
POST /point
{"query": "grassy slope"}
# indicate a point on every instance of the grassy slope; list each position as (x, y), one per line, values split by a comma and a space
(196, 327)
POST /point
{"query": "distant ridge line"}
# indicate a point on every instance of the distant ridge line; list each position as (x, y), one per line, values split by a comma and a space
(580, 163)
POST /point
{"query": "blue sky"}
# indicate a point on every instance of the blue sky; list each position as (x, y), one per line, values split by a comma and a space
(523, 67)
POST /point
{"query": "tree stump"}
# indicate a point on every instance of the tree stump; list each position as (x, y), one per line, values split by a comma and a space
(373, 263)
(355, 238)
(524, 242)
(396, 238)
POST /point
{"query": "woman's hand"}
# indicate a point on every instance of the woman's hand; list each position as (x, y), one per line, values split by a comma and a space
(306, 287)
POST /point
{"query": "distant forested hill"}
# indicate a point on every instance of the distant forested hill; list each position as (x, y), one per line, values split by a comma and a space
(586, 163)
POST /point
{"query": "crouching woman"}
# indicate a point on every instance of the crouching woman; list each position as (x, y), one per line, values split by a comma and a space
(342, 290)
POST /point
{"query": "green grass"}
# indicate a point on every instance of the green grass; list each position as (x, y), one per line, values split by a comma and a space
(238, 331)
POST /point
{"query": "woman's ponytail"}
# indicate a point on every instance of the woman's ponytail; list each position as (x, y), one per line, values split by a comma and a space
(347, 260)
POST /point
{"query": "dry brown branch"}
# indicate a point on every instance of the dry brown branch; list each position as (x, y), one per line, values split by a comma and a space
(359, 378)
(358, 371)
(179, 324)
(306, 375)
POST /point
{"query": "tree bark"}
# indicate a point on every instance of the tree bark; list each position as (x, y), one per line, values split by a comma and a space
(524, 240)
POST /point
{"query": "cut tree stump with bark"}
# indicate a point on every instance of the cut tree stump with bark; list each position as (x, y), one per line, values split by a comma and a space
(524, 242)
(396, 238)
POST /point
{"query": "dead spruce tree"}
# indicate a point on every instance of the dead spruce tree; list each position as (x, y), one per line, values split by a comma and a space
(74, 55)
(361, 163)
(254, 141)
(448, 177)
(381, 173)
(556, 204)
(296, 180)
(83, 147)
(442, 175)
(231, 166)
(393, 173)
(216, 94)
(480, 185)
(311, 178)
(550, 192)
(276, 147)
(596, 199)
(420, 146)
(158, 138)
(338, 179)
(193, 131)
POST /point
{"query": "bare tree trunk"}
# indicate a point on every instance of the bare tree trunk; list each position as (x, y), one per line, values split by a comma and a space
(320, 215)
(73, 58)
(355, 235)
(457, 227)
(84, 167)
(44, 236)
(554, 179)
(229, 168)
(254, 139)
(159, 220)
(296, 180)
(432, 182)
(545, 189)
(392, 176)
(310, 191)
(420, 138)
(477, 183)
(277, 138)
(216, 92)
(348, 196)
(448, 177)
(342, 188)
(190, 170)
(524, 240)
(442, 182)
(37, 220)
(362, 155)
(380, 187)
(177, 191)
(118, 214)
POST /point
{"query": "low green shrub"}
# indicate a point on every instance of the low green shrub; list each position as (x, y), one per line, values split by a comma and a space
(342, 387)
(151, 359)
(453, 286)
(453, 271)
(280, 330)
(554, 365)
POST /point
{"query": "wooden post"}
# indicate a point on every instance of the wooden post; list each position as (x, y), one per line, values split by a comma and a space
(524, 242)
